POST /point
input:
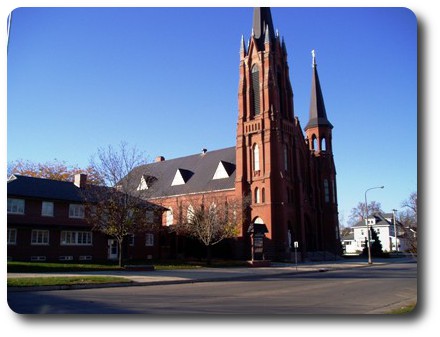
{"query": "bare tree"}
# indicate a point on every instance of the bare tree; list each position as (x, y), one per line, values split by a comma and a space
(408, 219)
(210, 220)
(118, 209)
(358, 213)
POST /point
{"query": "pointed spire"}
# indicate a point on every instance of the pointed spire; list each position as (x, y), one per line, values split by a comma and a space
(262, 22)
(242, 47)
(267, 35)
(317, 113)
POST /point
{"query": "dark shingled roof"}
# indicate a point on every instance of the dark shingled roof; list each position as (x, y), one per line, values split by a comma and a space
(197, 171)
(40, 188)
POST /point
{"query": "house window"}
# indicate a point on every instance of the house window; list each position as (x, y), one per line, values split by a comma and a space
(256, 157)
(15, 206)
(40, 237)
(76, 211)
(47, 208)
(149, 240)
(150, 216)
(75, 238)
(12, 236)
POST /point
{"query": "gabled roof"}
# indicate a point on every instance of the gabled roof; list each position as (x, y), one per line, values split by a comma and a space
(197, 172)
(40, 188)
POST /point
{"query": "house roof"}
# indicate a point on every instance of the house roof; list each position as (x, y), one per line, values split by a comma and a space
(381, 220)
(40, 188)
(194, 174)
(48, 189)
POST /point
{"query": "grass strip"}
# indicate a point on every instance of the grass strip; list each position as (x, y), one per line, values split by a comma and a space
(61, 281)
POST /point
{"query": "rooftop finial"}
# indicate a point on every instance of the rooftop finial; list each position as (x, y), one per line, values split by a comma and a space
(313, 58)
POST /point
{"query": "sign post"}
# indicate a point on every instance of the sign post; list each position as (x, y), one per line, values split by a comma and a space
(295, 245)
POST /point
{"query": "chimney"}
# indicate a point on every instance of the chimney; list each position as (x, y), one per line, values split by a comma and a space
(80, 180)
(159, 159)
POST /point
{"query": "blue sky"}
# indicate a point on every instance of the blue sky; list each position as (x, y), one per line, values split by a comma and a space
(166, 79)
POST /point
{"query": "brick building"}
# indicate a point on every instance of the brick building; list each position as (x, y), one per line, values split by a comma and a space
(289, 176)
(46, 222)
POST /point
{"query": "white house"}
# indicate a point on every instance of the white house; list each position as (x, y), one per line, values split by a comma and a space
(383, 225)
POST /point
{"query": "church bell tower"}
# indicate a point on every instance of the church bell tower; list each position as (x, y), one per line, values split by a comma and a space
(265, 130)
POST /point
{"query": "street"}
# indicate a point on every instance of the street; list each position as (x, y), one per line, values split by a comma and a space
(370, 290)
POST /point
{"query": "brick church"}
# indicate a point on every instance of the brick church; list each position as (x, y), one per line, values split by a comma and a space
(288, 175)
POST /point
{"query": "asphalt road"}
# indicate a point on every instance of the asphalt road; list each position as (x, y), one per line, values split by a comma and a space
(371, 290)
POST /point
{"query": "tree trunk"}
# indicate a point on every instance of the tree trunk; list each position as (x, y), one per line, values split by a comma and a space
(208, 255)
(120, 252)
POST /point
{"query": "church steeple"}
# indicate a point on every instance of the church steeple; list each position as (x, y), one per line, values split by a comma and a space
(262, 26)
(317, 113)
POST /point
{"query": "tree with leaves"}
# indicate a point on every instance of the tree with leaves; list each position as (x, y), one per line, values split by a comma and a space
(376, 245)
(117, 209)
(55, 170)
(210, 220)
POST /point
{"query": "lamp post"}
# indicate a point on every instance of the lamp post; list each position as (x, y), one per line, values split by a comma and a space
(396, 247)
(366, 223)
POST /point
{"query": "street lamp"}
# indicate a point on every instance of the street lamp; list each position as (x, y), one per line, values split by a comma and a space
(366, 222)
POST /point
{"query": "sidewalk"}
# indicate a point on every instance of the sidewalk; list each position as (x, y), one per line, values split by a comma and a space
(179, 276)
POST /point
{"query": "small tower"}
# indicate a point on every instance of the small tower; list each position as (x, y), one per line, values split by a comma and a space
(318, 129)
(319, 136)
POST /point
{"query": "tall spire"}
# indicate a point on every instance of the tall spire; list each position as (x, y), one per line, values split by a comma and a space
(317, 113)
(262, 22)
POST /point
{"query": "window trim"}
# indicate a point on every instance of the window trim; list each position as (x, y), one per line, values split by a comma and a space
(76, 238)
(149, 240)
(35, 234)
(74, 213)
(12, 232)
(15, 203)
(47, 214)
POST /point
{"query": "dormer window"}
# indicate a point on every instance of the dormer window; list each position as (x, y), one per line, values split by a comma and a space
(145, 183)
(181, 177)
(224, 170)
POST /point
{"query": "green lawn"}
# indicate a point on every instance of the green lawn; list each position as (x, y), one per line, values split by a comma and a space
(63, 280)
(47, 267)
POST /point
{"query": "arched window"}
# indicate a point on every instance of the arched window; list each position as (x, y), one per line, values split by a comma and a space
(170, 217)
(323, 145)
(263, 196)
(314, 143)
(190, 214)
(255, 90)
(257, 195)
(256, 157)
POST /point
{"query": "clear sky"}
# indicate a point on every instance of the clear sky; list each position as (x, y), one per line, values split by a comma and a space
(166, 79)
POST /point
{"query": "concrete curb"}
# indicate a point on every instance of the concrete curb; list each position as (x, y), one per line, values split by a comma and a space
(188, 281)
